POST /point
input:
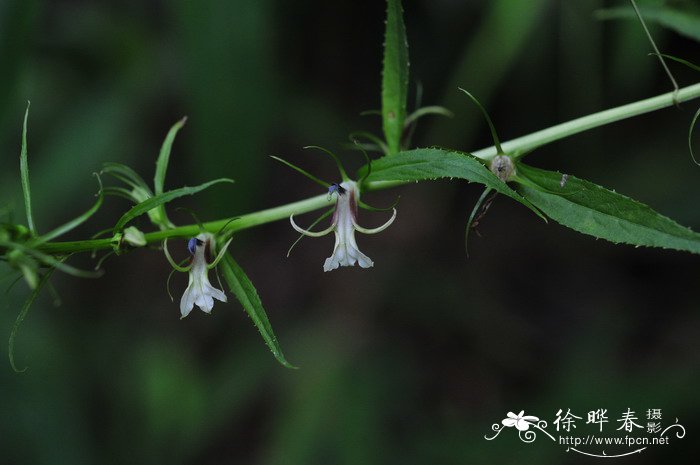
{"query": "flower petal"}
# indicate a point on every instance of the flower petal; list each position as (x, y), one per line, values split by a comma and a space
(218, 295)
(335, 260)
(375, 230)
(187, 302)
(330, 264)
(306, 232)
(363, 260)
(207, 304)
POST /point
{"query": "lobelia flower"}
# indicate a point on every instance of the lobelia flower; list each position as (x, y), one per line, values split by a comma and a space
(520, 421)
(344, 224)
(199, 290)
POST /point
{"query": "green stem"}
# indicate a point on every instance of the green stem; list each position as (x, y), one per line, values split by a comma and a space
(520, 144)
(575, 126)
(242, 222)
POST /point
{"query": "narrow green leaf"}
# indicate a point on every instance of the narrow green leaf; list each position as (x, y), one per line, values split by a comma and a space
(591, 209)
(683, 18)
(51, 261)
(26, 265)
(368, 163)
(394, 76)
(126, 175)
(16, 277)
(119, 192)
(379, 145)
(69, 226)
(494, 134)
(102, 259)
(429, 110)
(161, 199)
(245, 292)
(318, 181)
(335, 158)
(164, 156)
(680, 60)
(162, 167)
(640, 17)
(434, 163)
(690, 136)
(21, 316)
(24, 173)
(194, 216)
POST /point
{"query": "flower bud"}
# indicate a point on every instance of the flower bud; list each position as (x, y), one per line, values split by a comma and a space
(502, 166)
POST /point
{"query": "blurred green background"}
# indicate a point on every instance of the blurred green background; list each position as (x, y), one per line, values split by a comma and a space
(409, 362)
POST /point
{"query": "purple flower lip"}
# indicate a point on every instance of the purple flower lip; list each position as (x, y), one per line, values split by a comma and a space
(192, 245)
(335, 187)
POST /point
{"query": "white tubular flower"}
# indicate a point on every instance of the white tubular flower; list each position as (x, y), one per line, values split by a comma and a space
(199, 291)
(344, 224)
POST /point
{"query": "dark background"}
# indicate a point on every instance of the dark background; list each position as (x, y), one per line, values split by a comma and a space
(409, 362)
